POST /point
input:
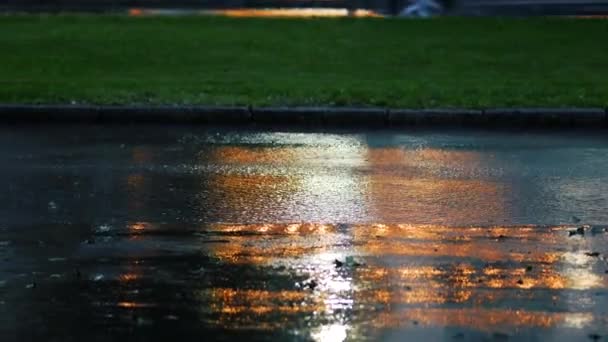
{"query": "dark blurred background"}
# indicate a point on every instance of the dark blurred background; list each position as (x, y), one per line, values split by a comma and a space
(385, 7)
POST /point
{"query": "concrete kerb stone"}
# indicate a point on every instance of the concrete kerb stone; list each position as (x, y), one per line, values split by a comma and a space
(546, 116)
(225, 115)
(44, 114)
(176, 114)
(287, 115)
(336, 116)
(329, 116)
(133, 114)
(458, 117)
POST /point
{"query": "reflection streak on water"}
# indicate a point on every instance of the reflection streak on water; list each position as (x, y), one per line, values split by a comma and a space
(269, 178)
(486, 267)
(349, 181)
(436, 275)
(483, 319)
(433, 181)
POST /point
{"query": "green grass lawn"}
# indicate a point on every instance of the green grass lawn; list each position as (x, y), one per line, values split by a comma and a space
(448, 62)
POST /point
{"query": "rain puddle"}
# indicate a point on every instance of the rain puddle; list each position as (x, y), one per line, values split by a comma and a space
(151, 233)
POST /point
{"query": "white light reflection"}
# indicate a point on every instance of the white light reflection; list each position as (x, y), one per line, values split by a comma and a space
(331, 333)
(578, 320)
(579, 271)
(333, 283)
(332, 192)
(335, 292)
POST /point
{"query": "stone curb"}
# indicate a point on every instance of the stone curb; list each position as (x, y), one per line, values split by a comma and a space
(287, 115)
(356, 116)
(177, 115)
(460, 117)
(318, 116)
(548, 116)
(49, 114)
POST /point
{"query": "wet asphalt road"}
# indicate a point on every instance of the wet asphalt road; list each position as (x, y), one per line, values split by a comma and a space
(155, 233)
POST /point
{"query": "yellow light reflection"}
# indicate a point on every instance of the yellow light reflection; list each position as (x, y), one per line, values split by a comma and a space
(232, 302)
(460, 270)
(128, 277)
(263, 12)
(296, 12)
(134, 305)
(138, 226)
(257, 180)
(419, 281)
(482, 319)
(253, 246)
(422, 183)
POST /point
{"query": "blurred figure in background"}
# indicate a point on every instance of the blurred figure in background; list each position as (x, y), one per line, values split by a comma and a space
(424, 8)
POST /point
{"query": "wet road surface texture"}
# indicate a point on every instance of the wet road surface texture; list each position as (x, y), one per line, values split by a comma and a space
(156, 233)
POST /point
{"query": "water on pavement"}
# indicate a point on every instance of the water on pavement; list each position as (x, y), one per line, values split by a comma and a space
(150, 233)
